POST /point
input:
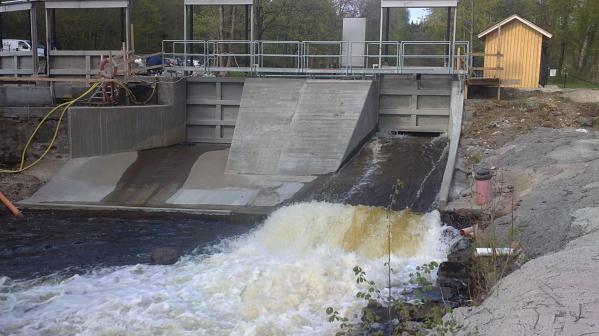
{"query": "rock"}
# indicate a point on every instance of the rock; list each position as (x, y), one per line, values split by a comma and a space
(165, 256)
(460, 218)
(413, 328)
(454, 275)
(585, 121)
(461, 252)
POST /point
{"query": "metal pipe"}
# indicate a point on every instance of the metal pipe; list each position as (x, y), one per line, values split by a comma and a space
(469, 232)
(500, 252)
(8, 204)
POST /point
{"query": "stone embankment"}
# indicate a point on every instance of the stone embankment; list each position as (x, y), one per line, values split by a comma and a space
(554, 175)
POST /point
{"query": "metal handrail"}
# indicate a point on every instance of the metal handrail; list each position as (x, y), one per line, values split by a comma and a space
(342, 53)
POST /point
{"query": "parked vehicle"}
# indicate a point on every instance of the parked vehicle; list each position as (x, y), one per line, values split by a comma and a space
(22, 45)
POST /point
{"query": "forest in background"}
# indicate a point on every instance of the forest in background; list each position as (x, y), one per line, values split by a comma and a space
(574, 24)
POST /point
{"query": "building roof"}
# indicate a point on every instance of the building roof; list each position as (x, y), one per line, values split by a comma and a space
(512, 18)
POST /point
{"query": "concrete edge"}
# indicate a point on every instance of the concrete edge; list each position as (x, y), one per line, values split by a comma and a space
(454, 133)
(88, 207)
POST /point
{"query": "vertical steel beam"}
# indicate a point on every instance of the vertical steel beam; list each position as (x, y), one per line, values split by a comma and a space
(387, 25)
(252, 23)
(252, 60)
(50, 36)
(33, 27)
(123, 26)
(185, 36)
(381, 38)
(128, 27)
(247, 35)
(453, 38)
(448, 37)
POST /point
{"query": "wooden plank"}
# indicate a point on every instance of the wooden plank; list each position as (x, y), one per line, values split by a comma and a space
(488, 68)
(482, 54)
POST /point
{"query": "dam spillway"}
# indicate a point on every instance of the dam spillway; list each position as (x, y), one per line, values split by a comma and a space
(263, 140)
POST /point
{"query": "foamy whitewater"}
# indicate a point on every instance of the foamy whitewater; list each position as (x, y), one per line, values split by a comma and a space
(277, 280)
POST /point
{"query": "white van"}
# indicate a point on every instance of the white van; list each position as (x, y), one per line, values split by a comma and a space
(22, 45)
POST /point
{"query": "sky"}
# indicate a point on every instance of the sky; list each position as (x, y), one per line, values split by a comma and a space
(417, 13)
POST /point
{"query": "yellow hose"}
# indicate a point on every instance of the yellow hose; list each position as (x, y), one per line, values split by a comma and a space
(65, 107)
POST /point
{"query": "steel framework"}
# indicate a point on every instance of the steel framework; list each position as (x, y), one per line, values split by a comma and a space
(318, 57)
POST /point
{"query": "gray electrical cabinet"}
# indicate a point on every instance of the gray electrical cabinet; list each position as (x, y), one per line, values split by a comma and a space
(354, 46)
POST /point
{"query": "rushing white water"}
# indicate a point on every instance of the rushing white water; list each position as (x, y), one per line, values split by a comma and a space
(277, 280)
(373, 167)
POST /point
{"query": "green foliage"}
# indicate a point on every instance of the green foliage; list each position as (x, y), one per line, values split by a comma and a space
(574, 24)
(420, 279)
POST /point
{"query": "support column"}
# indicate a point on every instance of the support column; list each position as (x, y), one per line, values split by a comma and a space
(33, 27)
(448, 36)
(128, 27)
(381, 38)
(123, 26)
(252, 23)
(191, 9)
(453, 38)
(247, 35)
(387, 24)
(252, 60)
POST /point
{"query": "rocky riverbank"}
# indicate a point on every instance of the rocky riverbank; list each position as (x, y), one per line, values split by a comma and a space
(552, 174)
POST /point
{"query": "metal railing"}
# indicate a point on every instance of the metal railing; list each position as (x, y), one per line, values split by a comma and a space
(317, 57)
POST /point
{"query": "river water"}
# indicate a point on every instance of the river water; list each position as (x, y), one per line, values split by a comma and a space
(275, 278)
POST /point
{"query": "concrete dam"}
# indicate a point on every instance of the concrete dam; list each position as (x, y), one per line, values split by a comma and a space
(248, 145)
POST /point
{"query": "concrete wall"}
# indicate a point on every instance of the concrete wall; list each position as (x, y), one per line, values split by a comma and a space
(16, 63)
(25, 96)
(301, 127)
(415, 103)
(106, 130)
(212, 108)
(454, 133)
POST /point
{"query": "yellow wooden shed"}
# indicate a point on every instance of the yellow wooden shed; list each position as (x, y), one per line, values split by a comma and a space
(516, 53)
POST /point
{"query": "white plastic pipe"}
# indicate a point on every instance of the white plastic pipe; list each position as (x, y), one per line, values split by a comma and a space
(487, 252)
